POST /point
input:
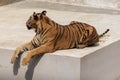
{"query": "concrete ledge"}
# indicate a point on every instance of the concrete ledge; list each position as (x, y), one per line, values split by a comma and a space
(102, 64)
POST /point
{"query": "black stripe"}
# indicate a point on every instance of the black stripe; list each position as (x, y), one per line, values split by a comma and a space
(79, 28)
(72, 43)
(47, 20)
(67, 31)
(44, 32)
(38, 39)
(82, 26)
(33, 44)
(56, 26)
(25, 49)
(53, 23)
(69, 36)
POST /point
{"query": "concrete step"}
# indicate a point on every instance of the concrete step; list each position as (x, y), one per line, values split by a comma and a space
(103, 64)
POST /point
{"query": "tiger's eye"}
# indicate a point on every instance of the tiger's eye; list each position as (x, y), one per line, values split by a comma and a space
(35, 17)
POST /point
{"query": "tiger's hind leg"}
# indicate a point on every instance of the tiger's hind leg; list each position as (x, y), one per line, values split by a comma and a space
(81, 46)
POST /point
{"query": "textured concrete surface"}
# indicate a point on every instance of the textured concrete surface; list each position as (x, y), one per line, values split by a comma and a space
(13, 17)
(13, 33)
(5, 2)
(108, 4)
(104, 64)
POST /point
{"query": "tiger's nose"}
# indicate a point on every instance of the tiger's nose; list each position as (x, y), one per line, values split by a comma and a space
(28, 26)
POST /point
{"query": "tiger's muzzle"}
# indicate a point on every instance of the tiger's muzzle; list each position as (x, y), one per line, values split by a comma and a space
(30, 26)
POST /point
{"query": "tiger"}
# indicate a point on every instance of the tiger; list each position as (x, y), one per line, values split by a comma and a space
(51, 36)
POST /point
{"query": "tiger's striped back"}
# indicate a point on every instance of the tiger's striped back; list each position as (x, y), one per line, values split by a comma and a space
(76, 34)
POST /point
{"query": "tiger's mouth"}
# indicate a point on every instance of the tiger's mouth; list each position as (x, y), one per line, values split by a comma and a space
(32, 27)
(29, 27)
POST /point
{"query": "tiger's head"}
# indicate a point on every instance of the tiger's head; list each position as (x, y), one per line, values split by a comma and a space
(34, 22)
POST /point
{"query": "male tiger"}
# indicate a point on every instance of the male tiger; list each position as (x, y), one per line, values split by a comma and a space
(51, 36)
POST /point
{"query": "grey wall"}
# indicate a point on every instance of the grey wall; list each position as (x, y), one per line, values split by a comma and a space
(91, 3)
(5, 2)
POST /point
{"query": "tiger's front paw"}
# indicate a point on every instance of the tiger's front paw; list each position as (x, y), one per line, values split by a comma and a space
(25, 61)
(13, 59)
(16, 55)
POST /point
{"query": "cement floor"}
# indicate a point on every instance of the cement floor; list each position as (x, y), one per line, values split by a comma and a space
(13, 31)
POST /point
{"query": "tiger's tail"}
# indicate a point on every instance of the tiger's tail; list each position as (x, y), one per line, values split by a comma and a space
(104, 33)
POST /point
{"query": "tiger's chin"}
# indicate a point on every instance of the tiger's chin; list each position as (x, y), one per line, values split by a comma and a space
(35, 30)
(30, 28)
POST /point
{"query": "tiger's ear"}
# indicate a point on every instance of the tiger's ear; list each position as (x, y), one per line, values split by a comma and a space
(34, 13)
(44, 12)
(35, 16)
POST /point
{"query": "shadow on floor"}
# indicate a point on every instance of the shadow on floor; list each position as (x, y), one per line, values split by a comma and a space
(30, 70)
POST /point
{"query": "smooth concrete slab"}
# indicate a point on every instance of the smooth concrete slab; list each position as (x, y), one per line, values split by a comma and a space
(43, 67)
(103, 64)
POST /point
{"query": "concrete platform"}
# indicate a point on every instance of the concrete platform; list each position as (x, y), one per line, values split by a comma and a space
(99, 62)
(103, 64)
